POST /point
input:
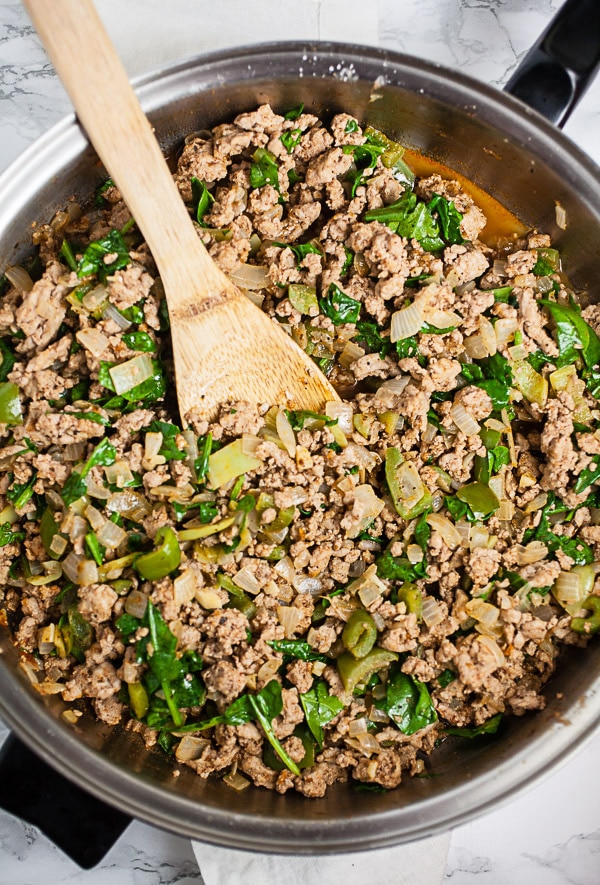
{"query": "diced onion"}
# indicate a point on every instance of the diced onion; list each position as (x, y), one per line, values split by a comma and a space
(268, 670)
(366, 505)
(94, 517)
(368, 581)
(185, 586)
(289, 618)
(236, 781)
(535, 551)
(285, 569)
(87, 573)
(475, 347)
(45, 639)
(496, 484)
(19, 278)
(505, 329)
(506, 511)
(95, 298)
(414, 553)
(191, 747)
(246, 580)
(350, 354)
(518, 352)
(250, 276)
(569, 588)
(110, 312)
(285, 432)
(406, 322)
(360, 455)
(445, 528)
(494, 649)
(483, 612)
(58, 545)
(125, 376)
(250, 444)
(111, 535)
(488, 335)
(562, 378)
(130, 504)
(432, 612)
(344, 414)
(136, 604)
(71, 566)
(93, 340)
(191, 448)
(464, 530)
(443, 319)
(305, 584)
(479, 537)
(561, 216)
(465, 422)
(537, 503)
(357, 726)
(95, 490)
(119, 474)
(499, 267)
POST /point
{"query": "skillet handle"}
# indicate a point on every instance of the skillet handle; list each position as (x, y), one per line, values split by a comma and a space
(79, 824)
(558, 69)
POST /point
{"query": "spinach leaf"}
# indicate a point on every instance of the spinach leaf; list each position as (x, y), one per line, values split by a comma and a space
(408, 703)
(21, 492)
(351, 126)
(93, 260)
(264, 170)
(299, 417)
(202, 199)
(168, 449)
(75, 487)
(319, 708)
(8, 360)
(127, 625)
(422, 532)
(588, 476)
(370, 335)
(575, 338)
(365, 157)
(290, 138)
(408, 347)
(490, 726)
(267, 704)
(339, 307)
(91, 416)
(147, 391)
(300, 250)
(492, 374)
(8, 536)
(100, 201)
(139, 341)
(449, 218)
(399, 568)
(410, 218)
(503, 295)
(577, 549)
(446, 677)
(294, 112)
(538, 359)
(298, 649)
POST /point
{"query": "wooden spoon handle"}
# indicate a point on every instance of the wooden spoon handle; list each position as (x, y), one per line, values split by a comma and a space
(109, 111)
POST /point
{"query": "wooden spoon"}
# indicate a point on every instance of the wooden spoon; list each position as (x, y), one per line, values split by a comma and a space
(225, 348)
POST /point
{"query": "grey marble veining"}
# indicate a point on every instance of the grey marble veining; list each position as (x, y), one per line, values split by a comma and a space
(551, 834)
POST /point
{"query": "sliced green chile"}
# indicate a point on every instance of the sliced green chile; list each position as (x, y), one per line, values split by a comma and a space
(590, 624)
(354, 671)
(480, 498)
(164, 559)
(359, 634)
(10, 404)
(412, 598)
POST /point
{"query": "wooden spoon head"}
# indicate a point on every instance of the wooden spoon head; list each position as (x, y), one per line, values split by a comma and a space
(227, 350)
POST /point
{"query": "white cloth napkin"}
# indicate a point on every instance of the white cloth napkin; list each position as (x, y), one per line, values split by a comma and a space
(149, 34)
(421, 862)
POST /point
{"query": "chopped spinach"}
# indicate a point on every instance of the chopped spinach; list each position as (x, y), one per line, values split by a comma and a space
(577, 549)
(490, 726)
(575, 338)
(298, 649)
(169, 449)
(339, 307)
(290, 138)
(202, 199)
(8, 536)
(8, 360)
(319, 708)
(369, 334)
(299, 417)
(139, 341)
(588, 476)
(408, 703)
(75, 486)
(294, 112)
(300, 250)
(93, 261)
(264, 170)
(399, 568)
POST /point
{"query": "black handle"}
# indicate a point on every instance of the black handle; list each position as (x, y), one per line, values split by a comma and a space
(82, 826)
(557, 70)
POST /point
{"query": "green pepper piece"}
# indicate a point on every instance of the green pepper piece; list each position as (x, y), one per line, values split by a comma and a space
(138, 699)
(393, 460)
(304, 299)
(353, 671)
(412, 598)
(591, 623)
(359, 634)
(480, 498)
(164, 559)
(481, 468)
(10, 404)
(281, 521)
(490, 438)
(48, 529)
(77, 634)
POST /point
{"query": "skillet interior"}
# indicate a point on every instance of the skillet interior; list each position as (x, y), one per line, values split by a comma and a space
(510, 152)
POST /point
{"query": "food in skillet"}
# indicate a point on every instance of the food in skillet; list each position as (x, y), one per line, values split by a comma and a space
(291, 598)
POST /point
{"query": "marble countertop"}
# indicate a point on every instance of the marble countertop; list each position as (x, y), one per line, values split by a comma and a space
(551, 834)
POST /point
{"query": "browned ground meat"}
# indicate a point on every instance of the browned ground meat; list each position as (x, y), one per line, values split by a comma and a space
(290, 597)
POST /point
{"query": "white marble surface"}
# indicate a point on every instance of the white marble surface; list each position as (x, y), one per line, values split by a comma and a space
(551, 834)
